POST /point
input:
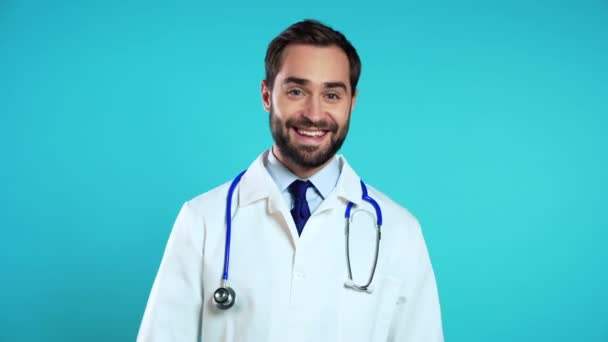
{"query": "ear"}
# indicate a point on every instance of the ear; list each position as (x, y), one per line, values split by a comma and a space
(266, 96)
(354, 100)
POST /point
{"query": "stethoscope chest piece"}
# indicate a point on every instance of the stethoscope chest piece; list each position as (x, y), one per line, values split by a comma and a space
(224, 298)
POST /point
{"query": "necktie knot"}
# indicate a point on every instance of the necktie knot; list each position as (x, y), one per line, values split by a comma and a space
(298, 188)
(300, 211)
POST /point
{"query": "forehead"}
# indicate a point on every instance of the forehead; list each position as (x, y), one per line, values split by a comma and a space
(318, 64)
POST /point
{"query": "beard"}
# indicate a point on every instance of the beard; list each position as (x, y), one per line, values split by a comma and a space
(307, 156)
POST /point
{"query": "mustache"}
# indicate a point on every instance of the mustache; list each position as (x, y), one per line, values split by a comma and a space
(304, 122)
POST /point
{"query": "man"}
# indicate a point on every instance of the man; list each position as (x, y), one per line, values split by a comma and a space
(289, 275)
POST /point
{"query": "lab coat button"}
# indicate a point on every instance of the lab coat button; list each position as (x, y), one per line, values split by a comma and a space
(298, 275)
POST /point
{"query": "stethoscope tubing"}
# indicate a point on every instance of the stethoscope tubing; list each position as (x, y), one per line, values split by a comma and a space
(348, 267)
(229, 226)
(368, 199)
(347, 214)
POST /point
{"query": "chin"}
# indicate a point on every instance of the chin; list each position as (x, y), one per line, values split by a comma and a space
(313, 160)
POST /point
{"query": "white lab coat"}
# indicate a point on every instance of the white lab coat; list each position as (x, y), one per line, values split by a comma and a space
(291, 288)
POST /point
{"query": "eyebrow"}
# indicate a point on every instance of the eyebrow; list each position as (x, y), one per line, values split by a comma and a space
(303, 81)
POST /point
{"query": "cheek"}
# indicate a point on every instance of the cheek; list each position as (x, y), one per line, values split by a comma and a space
(286, 108)
(342, 116)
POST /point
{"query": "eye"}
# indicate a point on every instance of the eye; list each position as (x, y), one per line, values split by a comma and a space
(295, 92)
(332, 96)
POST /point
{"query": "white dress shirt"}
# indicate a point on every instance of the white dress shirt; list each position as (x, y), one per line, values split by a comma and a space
(323, 181)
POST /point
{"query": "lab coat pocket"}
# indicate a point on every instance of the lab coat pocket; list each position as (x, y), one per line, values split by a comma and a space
(366, 316)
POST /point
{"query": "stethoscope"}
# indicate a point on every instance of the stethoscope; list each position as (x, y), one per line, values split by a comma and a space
(224, 297)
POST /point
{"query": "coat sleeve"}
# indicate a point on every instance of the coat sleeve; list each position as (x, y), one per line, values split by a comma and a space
(174, 311)
(418, 315)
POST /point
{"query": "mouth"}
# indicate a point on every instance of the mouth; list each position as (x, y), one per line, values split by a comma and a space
(310, 135)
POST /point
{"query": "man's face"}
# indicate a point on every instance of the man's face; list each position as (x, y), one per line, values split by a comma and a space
(310, 104)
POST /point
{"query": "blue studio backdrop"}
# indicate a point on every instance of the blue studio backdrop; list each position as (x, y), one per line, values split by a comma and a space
(487, 120)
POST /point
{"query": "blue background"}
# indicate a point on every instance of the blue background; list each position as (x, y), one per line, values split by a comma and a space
(488, 121)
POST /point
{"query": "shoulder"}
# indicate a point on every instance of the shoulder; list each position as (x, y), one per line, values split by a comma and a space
(394, 214)
(209, 201)
(389, 204)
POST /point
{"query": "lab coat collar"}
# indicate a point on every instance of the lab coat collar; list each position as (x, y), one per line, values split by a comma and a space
(324, 180)
(257, 184)
(349, 183)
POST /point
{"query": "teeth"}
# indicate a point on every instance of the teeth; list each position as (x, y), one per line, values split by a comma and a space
(311, 133)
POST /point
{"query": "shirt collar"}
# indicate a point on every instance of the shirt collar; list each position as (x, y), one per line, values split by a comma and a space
(324, 180)
(257, 184)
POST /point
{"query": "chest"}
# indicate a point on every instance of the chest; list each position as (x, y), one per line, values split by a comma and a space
(293, 289)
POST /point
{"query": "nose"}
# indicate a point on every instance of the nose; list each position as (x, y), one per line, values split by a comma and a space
(314, 109)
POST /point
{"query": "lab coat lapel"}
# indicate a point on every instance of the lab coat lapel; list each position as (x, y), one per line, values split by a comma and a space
(348, 189)
(257, 184)
(331, 211)
(349, 186)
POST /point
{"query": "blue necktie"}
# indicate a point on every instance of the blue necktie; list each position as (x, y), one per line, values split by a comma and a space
(300, 211)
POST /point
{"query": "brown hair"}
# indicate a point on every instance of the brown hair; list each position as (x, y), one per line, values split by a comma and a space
(310, 32)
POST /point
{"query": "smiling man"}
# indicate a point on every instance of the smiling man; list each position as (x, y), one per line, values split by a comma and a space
(310, 109)
(290, 250)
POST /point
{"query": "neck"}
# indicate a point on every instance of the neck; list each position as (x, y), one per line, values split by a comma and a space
(300, 171)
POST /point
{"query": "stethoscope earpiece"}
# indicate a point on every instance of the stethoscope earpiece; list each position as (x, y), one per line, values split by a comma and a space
(224, 298)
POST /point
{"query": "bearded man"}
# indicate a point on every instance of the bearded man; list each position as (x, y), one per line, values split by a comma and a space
(297, 247)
